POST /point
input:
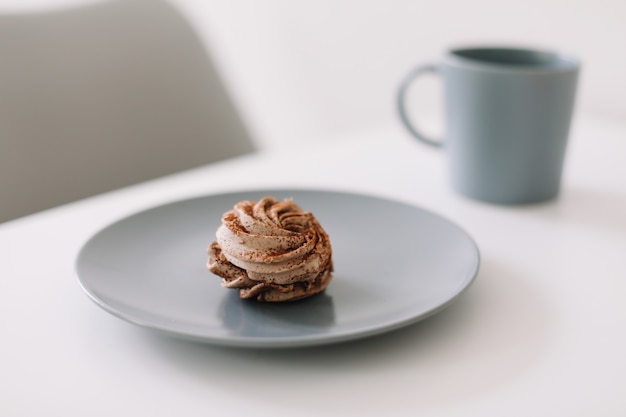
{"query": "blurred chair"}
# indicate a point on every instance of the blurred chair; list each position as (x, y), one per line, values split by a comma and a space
(105, 95)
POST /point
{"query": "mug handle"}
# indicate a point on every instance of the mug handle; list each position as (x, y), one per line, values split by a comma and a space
(404, 86)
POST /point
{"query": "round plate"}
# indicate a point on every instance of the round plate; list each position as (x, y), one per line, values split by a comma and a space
(394, 263)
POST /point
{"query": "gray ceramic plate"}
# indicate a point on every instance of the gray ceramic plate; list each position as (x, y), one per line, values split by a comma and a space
(395, 264)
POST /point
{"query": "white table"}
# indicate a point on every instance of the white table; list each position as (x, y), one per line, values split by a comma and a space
(542, 331)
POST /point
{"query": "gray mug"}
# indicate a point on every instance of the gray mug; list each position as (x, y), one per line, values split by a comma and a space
(507, 117)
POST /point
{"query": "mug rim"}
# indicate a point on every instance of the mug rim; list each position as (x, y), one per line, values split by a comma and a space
(555, 61)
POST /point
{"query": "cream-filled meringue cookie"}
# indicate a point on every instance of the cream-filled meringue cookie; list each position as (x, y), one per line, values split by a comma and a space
(271, 250)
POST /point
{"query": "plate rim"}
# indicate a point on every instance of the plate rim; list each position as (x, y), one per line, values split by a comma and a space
(314, 339)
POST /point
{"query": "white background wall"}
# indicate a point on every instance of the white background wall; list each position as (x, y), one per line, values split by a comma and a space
(309, 69)
(302, 70)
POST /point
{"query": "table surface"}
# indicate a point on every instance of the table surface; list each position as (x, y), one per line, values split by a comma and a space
(542, 331)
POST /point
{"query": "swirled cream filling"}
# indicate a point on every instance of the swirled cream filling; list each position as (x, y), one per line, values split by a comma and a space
(271, 242)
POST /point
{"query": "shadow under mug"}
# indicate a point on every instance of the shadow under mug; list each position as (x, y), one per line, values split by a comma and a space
(508, 114)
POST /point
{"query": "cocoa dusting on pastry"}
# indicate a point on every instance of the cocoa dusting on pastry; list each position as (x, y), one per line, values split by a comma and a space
(271, 250)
